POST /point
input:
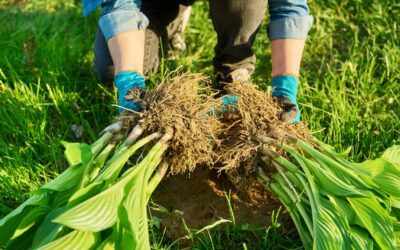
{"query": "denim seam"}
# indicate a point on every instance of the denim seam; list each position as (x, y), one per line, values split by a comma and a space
(119, 21)
(290, 27)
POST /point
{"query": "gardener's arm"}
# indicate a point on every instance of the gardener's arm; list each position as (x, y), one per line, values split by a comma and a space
(289, 24)
(123, 24)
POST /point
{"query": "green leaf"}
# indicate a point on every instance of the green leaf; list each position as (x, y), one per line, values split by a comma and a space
(34, 216)
(48, 230)
(107, 244)
(23, 241)
(135, 203)
(329, 183)
(76, 153)
(361, 240)
(375, 219)
(75, 240)
(86, 193)
(69, 179)
(346, 210)
(331, 229)
(384, 174)
(392, 155)
(97, 213)
(10, 222)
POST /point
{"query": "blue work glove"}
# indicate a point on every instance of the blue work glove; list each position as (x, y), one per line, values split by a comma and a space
(230, 103)
(124, 82)
(284, 88)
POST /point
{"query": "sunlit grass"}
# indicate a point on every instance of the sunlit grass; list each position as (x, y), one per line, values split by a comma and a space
(349, 94)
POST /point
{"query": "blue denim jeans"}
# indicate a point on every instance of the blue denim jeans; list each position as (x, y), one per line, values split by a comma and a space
(235, 21)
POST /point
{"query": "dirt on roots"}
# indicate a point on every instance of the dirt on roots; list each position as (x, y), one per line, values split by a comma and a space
(182, 104)
(213, 150)
(255, 115)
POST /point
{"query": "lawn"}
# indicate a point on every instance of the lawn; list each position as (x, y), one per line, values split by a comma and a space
(349, 93)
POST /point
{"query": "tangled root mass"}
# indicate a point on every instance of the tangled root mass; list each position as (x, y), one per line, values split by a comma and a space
(205, 132)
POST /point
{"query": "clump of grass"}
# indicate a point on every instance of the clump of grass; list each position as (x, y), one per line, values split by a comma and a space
(336, 204)
(98, 202)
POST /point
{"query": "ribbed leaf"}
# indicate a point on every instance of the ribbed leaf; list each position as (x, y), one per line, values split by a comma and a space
(392, 155)
(73, 241)
(395, 201)
(23, 241)
(69, 179)
(34, 216)
(303, 231)
(48, 230)
(360, 238)
(79, 156)
(107, 244)
(331, 184)
(97, 213)
(384, 174)
(76, 153)
(344, 207)
(124, 237)
(330, 230)
(86, 193)
(10, 222)
(135, 203)
(375, 219)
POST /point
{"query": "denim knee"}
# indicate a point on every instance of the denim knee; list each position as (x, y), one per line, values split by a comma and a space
(289, 19)
(121, 16)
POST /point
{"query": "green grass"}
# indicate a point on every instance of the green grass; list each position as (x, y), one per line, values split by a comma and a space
(349, 94)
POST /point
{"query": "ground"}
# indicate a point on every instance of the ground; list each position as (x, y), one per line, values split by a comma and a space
(349, 93)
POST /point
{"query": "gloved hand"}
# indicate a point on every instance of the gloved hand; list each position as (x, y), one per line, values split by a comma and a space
(124, 82)
(284, 88)
(230, 103)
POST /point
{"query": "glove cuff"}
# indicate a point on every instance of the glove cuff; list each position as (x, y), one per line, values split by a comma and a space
(128, 80)
(285, 85)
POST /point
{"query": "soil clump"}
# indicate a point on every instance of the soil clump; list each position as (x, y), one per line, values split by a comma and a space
(199, 199)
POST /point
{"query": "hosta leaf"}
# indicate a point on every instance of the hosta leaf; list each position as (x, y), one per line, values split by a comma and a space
(34, 215)
(76, 153)
(331, 229)
(75, 240)
(61, 198)
(331, 184)
(396, 225)
(392, 155)
(10, 222)
(343, 170)
(126, 239)
(107, 244)
(361, 240)
(395, 201)
(344, 208)
(135, 203)
(48, 230)
(97, 213)
(69, 179)
(23, 241)
(375, 219)
(384, 174)
(85, 193)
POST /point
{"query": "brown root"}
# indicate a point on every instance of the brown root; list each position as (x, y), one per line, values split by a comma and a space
(182, 104)
(207, 136)
(256, 115)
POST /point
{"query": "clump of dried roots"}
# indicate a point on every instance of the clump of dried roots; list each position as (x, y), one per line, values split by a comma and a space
(182, 104)
(256, 114)
(207, 133)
